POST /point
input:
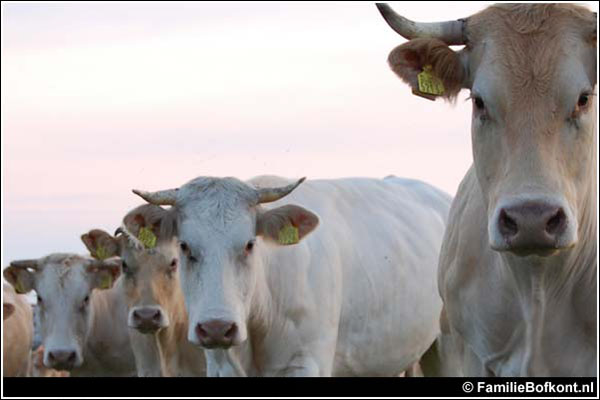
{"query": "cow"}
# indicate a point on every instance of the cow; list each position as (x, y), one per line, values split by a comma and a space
(17, 333)
(81, 312)
(337, 279)
(518, 265)
(157, 319)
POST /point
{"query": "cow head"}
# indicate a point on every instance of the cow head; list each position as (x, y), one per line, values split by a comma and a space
(224, 235)
(64, 284)
(531, 71)
(150, 279)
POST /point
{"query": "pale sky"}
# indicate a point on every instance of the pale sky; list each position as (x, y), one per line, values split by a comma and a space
(99, 98)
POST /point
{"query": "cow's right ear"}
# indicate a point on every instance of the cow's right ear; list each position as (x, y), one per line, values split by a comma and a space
(20, 275)
(7, 310)
(435, 58)
(101, 244)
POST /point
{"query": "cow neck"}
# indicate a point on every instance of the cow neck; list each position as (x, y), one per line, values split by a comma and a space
(260, 314)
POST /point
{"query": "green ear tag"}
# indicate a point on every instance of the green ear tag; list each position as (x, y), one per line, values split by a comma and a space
(147, 237)
(429, 83)
(105, 282)
(288, 235)
(101, 253)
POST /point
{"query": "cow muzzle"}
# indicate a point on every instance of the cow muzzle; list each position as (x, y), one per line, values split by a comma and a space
(62, 359)
(148, 319)
(217, 334)
(533, 226)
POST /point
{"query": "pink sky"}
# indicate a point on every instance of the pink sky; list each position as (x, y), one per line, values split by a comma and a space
(100, 98)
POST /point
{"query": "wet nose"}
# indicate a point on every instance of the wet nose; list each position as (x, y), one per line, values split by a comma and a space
(533, 226)
(147, 318)
(62, 359)
(216, 333)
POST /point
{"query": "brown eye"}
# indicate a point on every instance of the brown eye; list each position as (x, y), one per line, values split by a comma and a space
(86, 301)
(479, 104)
(184, 247)
(583, 100)
(39, 299)
(249, 246)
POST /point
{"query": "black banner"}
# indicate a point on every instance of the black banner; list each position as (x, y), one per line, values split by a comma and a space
(300, 387)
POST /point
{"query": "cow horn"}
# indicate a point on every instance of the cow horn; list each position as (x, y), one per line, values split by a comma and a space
(25, 264)
(267, 195)
(159, 198)
(449, 32)
(134, 241)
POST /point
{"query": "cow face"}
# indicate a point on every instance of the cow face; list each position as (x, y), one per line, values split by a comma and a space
(150, 279)
(531, 71)
(224, 239)
(64, 284)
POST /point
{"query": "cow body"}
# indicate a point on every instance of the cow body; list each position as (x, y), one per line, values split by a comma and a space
(17, 333)
(513, 316)
(356, 297)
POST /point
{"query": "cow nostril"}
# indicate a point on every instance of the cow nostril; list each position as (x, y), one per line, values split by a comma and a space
(156, 316)
(231, 331)
(557, 221)
(508, 226)
(71, 357)
(200, 332)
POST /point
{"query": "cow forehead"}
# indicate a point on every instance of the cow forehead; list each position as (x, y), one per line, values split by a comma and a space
(62, 279)
(215, 205)
(527, 44)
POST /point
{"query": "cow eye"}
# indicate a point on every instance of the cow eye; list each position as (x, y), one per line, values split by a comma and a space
(86, 301)
(124, 267)
(478, 102)
(583, 100)
(184, 247)
(250, 246)
(39, 299)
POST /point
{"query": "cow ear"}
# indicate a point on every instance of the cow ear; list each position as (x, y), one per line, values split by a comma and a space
(435, 61)
(20, 274)
(101, 244)
(286, 225)
(104, 273)
(7, 309)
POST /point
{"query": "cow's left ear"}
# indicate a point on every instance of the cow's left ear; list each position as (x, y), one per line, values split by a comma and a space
(104, 273)
(286, 225)
(435, 61)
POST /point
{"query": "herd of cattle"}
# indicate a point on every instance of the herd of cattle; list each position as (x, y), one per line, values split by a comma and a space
(358, 276)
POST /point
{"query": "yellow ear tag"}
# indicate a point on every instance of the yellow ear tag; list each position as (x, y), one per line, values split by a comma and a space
(20, 289)
(429, 83)
(288, 235)
(101, 253)
(106, 281)
(147, 237)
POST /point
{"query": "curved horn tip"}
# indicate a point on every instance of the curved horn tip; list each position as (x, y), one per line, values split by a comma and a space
(118, 231)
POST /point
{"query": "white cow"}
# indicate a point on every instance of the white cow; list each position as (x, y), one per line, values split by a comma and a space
(82, 327)
(347, 288)
(518, 268)
(157, 319)
(17, 333)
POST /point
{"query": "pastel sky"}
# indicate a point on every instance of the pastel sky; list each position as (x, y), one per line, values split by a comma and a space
(99, 98)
